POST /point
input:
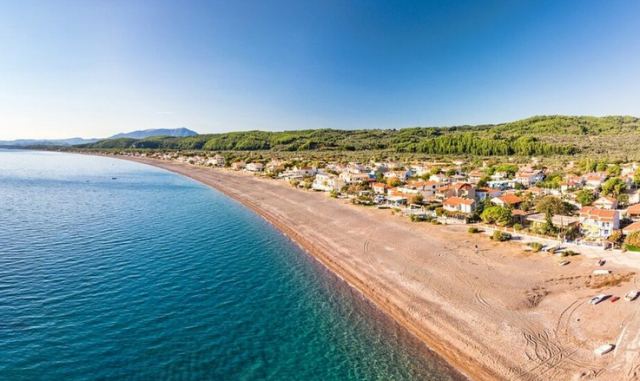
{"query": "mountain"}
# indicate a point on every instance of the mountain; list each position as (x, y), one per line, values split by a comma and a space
(45, 142)
(141, 134)
(617, 136)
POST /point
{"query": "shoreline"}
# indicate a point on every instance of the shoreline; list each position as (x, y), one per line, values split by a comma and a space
(485, 313)
(431, 341)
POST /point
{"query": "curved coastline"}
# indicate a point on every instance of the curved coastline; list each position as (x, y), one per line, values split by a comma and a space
(458, 360)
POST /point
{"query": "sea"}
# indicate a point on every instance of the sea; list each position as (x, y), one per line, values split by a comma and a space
(115, 270)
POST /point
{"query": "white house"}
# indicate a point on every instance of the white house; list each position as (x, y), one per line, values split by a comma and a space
(606, 202)
(254, 167)
(528, 177)
(216, 161)
(594, 180)
(354, 178)
(327, 182)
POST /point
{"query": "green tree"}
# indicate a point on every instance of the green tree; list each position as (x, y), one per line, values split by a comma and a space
(496, 215)
(613, 187)
(585, 197)
(636, 177)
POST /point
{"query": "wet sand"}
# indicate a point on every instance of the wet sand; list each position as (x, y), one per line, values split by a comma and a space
(496, 313)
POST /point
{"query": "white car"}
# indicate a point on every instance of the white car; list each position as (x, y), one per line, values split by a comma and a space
(631, 295)
(598, 298)
(604, 349)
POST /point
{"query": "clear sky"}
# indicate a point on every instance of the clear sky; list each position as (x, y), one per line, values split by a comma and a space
(95, 68)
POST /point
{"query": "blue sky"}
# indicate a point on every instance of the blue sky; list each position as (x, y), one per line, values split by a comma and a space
(95, 68)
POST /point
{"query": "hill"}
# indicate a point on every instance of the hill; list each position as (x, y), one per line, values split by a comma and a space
(141, 134)
(45, 142)
(540, 135)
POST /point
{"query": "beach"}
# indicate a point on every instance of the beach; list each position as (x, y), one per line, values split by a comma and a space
(495, 312)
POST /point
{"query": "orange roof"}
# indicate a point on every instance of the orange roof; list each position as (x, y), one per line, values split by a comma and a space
(510, 199)
(378, 185)
(458, 201)
(634, 210)
(597, 213)
(634, 227)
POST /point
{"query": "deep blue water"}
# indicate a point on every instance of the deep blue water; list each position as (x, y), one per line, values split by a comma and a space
(152, 276)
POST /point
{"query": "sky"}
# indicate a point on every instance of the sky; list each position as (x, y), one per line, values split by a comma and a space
(95, 68)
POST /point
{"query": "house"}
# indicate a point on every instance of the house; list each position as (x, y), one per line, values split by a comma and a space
(238, 165)
(254, 167)
(500, 184)
(484, 193)
(459, 205)
(298, 173)
(528, 177)
(606, 202)
(540, 219)
(379, 188)
(475, 176)
(439, 178)
(400, 175)
(571, 183)
(216, 161)
(396, 198)
(594, 180)
(327, 182)
(596, 224)
(630, 229)
(507, 200)
(633, 212)
(426, 188)
(354, 178)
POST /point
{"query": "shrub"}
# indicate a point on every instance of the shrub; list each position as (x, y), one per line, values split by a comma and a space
(535, 246)
(500, 236)
(473, 230)
(517, 227)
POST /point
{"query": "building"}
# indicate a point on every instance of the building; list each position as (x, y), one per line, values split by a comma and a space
(490, 193)
(354, 178)
(459, 205)
(630, 229)
(254, 167)
(327, 182)
(597, 224)
(594, 180)
(539, 219)
(606, 202)
(216, 161)
(507, 200)
(379, 188)
(633, 212)
(528, 177)
(238, 165)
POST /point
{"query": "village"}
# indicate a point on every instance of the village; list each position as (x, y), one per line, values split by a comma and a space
(591, 204)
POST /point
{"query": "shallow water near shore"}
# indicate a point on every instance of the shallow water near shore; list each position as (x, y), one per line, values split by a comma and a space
(115, 270)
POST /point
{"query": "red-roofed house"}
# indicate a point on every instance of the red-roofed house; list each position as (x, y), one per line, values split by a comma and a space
(633, 212)
(634, 227)
(598, 223)
(459, 204)
(507, 200)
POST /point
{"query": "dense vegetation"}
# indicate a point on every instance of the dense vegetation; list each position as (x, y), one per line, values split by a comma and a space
(544, 135)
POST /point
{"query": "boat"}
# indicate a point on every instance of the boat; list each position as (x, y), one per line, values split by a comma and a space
(564, 263)
(601, 272)
(604, 349)
(631, 295)
(601, 262)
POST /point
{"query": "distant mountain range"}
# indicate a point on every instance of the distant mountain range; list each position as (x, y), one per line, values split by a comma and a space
(140, 134)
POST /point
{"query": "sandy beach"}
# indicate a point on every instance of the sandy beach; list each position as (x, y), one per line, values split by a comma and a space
(498, 313)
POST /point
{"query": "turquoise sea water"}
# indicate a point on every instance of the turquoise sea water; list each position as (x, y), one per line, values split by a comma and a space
(112, 270)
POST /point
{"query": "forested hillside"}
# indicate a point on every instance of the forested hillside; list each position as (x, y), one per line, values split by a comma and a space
(543, 135)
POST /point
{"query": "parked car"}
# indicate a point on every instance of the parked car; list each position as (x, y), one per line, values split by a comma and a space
(598, 298)
(604, 349)
(631, 295)
(615, 299)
